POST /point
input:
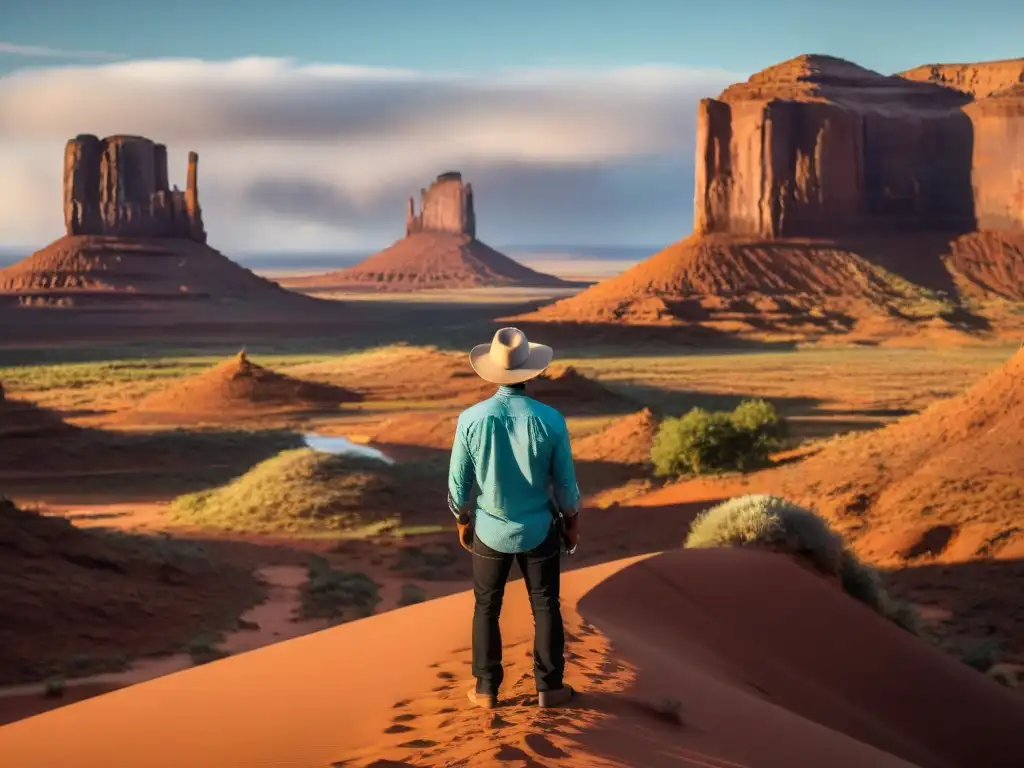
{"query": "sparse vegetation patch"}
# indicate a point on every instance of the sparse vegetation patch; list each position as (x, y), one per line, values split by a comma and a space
(337, 595)
(305, 492)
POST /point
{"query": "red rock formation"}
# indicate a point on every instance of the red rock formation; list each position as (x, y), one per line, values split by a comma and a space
(979, 80)
(998, 160)
(118, 186)
(447, 206)
(817, 146)
(439, 251)
(832, 199)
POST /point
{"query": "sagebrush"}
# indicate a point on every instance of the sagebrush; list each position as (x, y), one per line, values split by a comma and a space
(779, 525)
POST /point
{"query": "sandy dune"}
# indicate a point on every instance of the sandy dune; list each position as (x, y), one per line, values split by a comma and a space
(662, 648)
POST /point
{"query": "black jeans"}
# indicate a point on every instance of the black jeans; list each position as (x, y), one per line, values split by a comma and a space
(541, 571)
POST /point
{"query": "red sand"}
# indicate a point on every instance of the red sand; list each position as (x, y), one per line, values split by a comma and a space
(769, 667)
(427, 260)
(625, 441)
(237, 387)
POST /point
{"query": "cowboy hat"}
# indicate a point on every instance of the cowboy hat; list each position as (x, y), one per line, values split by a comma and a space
(510, 358)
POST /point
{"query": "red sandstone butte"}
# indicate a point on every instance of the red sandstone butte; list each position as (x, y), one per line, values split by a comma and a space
(118, 186)
(440, 251)
(827, 194)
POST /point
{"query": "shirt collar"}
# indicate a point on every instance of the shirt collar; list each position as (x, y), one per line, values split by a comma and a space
(505, 391)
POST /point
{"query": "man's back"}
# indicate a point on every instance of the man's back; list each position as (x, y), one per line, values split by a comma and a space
(516, 451)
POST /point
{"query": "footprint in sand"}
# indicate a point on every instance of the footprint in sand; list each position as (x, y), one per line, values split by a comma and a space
(408, 717)
(543, 746)
(446, 675)
(400, 704)
(397, 728)
(499, 722)
(418, 744)
(507, 753)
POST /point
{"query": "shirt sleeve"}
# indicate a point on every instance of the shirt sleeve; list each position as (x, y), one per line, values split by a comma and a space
(563, 476)
(460, 475)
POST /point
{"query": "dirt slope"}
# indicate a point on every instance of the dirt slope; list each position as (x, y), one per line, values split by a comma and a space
(91, 270)
(431, 260)
(626, 441)
(684, 684)
(70, 599)
(897, 285)
(238, 387)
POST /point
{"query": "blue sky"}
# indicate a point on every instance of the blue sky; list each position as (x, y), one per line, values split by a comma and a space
(479, 35)
(594, 149)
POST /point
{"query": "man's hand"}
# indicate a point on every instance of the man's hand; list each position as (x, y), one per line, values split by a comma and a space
(465, 534)
(572, 531)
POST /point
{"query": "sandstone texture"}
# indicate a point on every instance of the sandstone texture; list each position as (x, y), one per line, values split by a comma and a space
(446, 206)
(827, 194)
(979, 80)
(818, 146)
(439, 251)
(118, 186)
(998, 159)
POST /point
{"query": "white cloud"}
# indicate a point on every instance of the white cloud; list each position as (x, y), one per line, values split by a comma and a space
(324, 155)
(41, 51)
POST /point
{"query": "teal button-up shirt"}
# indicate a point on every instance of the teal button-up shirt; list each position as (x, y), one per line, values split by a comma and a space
(515, 451)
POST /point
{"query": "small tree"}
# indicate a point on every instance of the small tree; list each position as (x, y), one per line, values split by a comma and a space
(701, 441)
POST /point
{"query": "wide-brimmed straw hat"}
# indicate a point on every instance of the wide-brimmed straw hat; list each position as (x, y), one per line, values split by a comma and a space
(510, 358)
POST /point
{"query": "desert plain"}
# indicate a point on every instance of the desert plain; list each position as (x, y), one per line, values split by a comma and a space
(225, 538)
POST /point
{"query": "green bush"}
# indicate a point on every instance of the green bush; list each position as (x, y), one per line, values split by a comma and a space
(702, 441)
(778, 525)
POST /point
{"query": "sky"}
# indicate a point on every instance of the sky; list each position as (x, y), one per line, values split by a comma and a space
(314, 120)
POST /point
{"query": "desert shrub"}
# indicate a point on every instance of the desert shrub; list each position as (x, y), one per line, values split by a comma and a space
(53, 687)
(702, 441)
(412, 594)
(339, 595)
(778, 525)
(768, 522)
(204, 648)
(981, 656)
(305, 492)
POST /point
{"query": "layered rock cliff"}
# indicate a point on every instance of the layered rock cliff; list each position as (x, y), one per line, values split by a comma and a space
(118, 186)
(998, 159)
(817, 146)
(446, 206)
(820, 147)
(979, 80)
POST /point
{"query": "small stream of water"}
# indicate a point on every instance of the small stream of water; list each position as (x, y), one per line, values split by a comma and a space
(344, 446)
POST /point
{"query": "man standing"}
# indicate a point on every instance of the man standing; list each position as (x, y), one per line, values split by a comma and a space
(516, 452)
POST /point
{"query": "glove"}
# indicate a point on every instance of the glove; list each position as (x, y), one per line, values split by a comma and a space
(466, 534)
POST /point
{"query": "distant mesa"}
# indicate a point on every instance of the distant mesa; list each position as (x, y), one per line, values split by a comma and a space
(826, 193)
(134, 242)
(439, 251)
